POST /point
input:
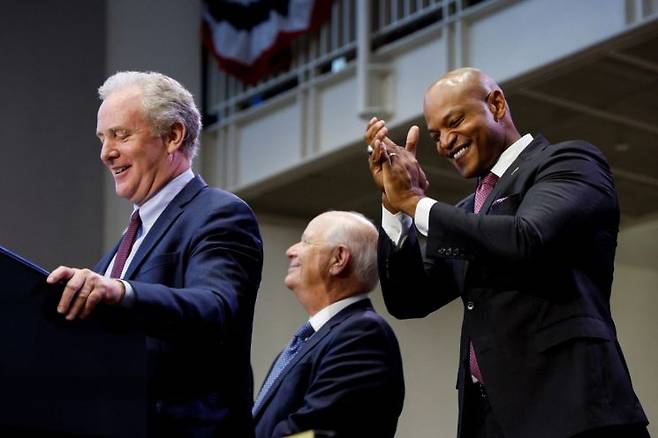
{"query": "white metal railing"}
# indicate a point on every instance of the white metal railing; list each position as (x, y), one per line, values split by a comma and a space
(325, 51)
(391, 14)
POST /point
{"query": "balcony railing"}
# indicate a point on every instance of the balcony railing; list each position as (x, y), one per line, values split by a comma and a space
(325, 51)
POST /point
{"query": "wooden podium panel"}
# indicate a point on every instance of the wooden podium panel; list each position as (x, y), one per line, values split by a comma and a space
(65, 378)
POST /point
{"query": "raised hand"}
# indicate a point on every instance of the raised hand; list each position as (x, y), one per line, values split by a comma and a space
(376, 132)
(403, 179)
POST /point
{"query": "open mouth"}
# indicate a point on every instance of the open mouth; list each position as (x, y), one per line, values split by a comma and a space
(119, 170)
(460, 151)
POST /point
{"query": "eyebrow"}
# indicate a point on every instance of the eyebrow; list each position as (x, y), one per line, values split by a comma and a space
(113, 130)
(451, 115)
(446, 119)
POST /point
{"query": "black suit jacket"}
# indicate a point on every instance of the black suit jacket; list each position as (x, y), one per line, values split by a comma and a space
(195, 278)
(346, 378)
(534, 270)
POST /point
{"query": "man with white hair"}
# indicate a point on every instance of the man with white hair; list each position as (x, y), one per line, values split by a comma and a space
(342, 371)
(187, 268)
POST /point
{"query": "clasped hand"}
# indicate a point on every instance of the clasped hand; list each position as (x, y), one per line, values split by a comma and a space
(84, 290)
(395, 169)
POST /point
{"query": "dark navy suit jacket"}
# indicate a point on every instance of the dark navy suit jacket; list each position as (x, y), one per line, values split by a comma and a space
(534, 271)
(347, 378)
(195, 278)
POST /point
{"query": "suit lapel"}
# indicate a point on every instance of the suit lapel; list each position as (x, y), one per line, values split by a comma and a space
(468, 204)
(517, 168)
(310, 343)
(162, 224)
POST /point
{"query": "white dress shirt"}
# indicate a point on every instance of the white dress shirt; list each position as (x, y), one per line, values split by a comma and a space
(397, 225)
(149, 212)
(324, 315)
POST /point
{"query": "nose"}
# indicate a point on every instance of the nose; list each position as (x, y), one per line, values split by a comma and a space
(446, 142)
(292, 251)
(108, 152)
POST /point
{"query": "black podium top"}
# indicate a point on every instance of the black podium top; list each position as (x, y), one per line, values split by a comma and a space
(65, 378)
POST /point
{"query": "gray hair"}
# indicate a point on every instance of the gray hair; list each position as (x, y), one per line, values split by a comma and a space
(357, 232)
(165, 102)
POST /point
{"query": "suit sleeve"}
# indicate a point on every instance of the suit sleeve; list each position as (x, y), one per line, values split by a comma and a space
(209, 287)
(413, 287)
(572, 195)
(358, 386)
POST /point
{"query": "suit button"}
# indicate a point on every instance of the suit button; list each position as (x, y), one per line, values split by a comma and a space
(470, 305)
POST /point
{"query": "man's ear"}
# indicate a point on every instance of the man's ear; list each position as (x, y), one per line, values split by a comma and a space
(497, 105)
(340, 258)
(174, 138)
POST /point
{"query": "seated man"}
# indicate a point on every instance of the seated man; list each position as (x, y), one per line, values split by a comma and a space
(342, 370)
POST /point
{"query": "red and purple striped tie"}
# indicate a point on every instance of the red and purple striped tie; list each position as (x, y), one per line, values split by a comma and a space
(483, 190)
(126, 245)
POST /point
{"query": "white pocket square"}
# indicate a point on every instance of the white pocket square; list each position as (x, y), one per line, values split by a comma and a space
(499, 200)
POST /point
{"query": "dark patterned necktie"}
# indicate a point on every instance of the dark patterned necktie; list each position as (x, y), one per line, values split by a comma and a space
(482, 192)
(126, 244)
(298, 339)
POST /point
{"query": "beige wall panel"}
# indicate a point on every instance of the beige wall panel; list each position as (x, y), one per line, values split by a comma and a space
(278, 314)
(550, 30)
(634, 304)
(338, 122)
(269, 144)
(414, 70)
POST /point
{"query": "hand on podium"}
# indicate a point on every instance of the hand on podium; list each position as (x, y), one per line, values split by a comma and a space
(84, 290)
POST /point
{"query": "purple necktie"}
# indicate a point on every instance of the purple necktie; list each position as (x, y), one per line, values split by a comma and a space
(483, 190)
(126, 245)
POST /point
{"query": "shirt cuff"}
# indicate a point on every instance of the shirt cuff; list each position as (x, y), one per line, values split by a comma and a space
(422, 219)
(128, 299)
(396, 226)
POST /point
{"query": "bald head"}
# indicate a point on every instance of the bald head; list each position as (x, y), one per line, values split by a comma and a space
(358, 234)
(466, 81)
(336, 258)
(469, 120)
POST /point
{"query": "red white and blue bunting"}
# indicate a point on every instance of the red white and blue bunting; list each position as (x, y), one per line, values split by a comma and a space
(247, 35)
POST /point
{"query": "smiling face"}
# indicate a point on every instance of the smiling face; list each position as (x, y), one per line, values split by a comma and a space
(463, 119)
(138, 160)
(310, 258)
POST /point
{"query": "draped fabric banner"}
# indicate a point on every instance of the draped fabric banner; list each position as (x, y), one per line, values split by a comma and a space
(247, 35)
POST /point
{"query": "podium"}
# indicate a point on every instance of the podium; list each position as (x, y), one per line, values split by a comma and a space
(65, 378)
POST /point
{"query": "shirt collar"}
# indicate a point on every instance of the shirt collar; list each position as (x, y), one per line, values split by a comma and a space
(153, 208)
(324, 315)
(510, 154)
